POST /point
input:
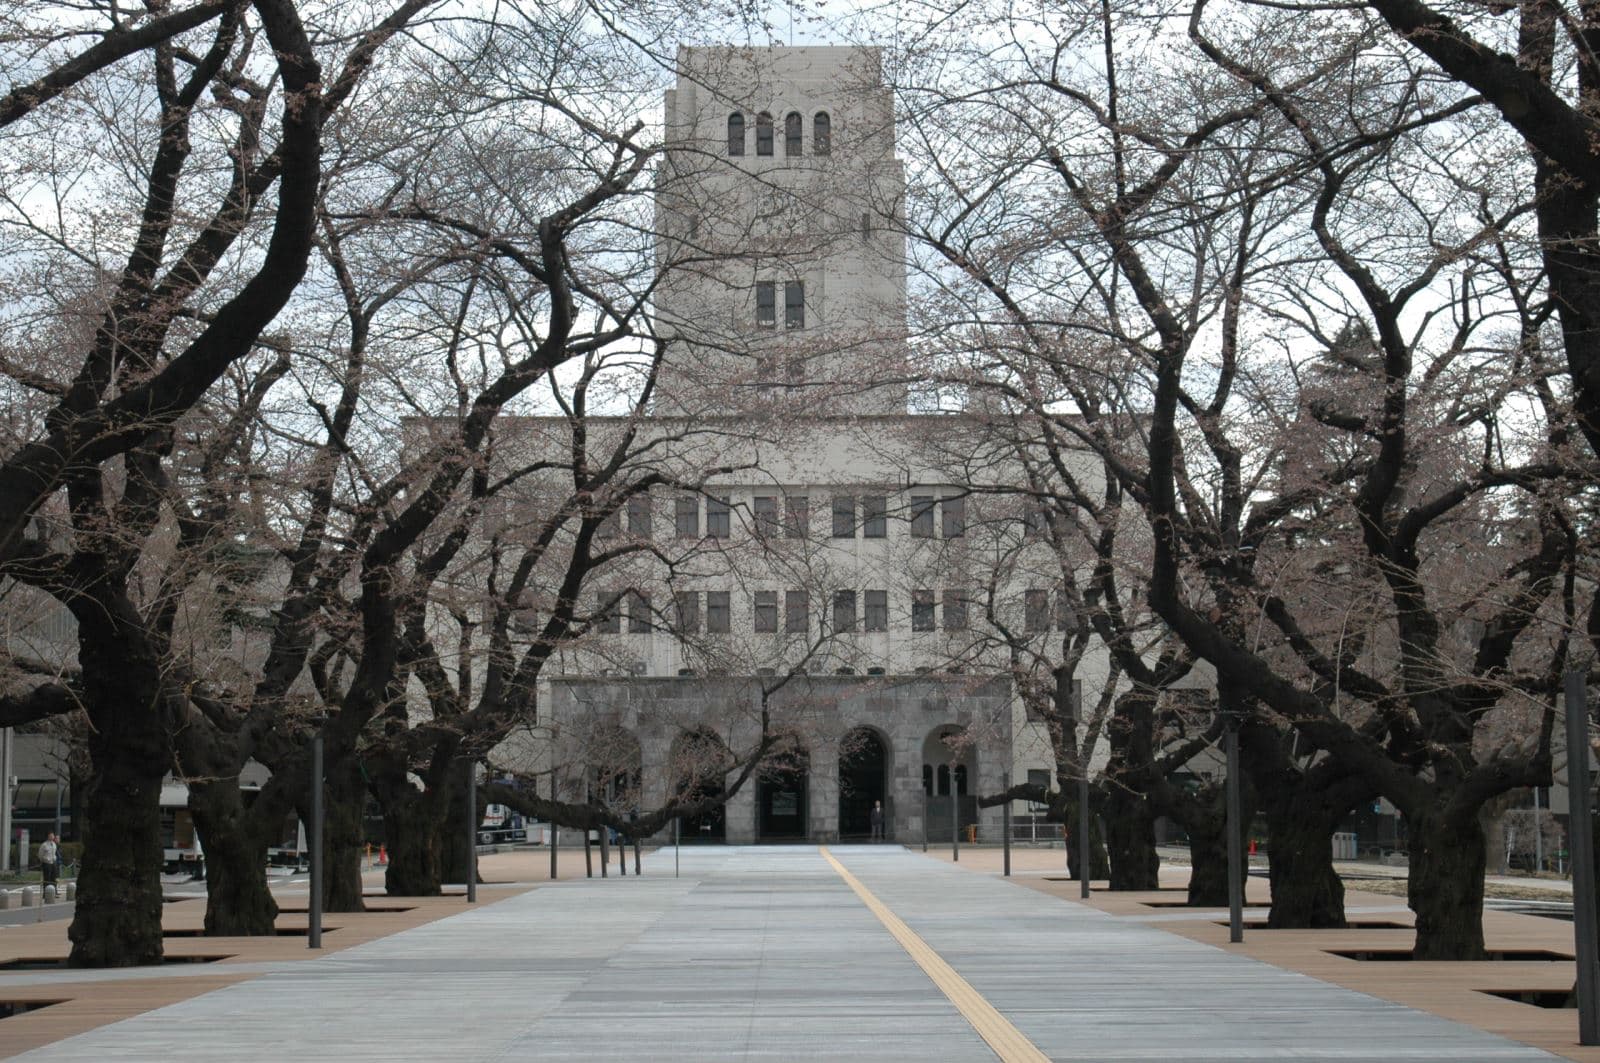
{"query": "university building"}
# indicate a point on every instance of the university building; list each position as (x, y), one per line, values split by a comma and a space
(827, 580)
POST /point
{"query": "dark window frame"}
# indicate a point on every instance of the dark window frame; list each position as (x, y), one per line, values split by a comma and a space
(639, 516)
(719, 612)
(765, 613)
(797, 516)
(953, 516)
(719, 517)
(923, 604)
(796, 612)
(843, 508)
(764, 514)
(956, 603)
(922, 526)
(686, 517)
(794, 304)
(686, 612)
(794, 135)
(875, 611)
(735, 134)
(766, 304)
(764, 133)
(844, 612)
(821, 133)
(874, 517)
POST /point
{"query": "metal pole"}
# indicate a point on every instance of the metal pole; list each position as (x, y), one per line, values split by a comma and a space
(472, 831)
(1084, 848)
(1538, 834)
(605, 851)
(955, 821)
(1005, 821)
(1581, 845)
(5, 799)
(555, 833)
(677, 843)
(636, 857)
(588, 855)
(1235, 853)
(622, 855)
(314, 908)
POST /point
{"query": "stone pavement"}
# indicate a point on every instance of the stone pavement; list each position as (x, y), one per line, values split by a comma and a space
(768, 954)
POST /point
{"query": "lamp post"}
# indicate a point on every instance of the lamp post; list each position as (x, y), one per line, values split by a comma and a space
(314, 908)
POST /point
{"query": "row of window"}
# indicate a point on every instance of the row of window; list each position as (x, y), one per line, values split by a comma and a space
(866, 516)
(793, 134)
(687, 616)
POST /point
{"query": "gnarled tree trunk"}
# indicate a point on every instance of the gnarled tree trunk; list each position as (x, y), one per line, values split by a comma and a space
(238, 901)
(1306, 891)
(1445, 889)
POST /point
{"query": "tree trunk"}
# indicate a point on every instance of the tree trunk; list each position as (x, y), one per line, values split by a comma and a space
(455, 842)
(1131, 840)
(117, 922)
(238, 901)
(1099, 865)
(411, 822)
(1445, 889)
(1307, 892)
(343, 841)
(1130, 814)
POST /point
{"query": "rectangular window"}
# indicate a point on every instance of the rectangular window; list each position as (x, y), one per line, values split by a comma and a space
(1035, 611)
(797, 516)
(686, 612)
(874, 516)
(955, 610)
(875, 606)
(954, 511)
(1036, 522)
(639, 516)
(608, 612)
(844, 611)
(1063, 611)
(766, 515)
(767, 304)
(844, 516)
(639, 619)
(719, 620)
(921, 610)
(796, 612)
(717, 519)
(1039, 777)
(686, 516)
(610, 526)
(922, 516)
(766, 612)
(794, 304)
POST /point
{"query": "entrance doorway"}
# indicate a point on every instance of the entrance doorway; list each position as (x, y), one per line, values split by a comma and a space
(781, 795)
(699, 759)
(863, 776)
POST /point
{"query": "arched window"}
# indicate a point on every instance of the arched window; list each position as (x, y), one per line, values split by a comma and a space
(821, 134)
(927, 779)
(793, 133)
(763, 133)
(736, 134)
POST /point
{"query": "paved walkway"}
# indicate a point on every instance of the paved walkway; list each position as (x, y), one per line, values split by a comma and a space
(773, 954)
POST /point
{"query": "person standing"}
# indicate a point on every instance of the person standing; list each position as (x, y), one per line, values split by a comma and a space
(877, 821)
(49, 858)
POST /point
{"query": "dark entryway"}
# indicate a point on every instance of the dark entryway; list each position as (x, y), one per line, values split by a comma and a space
(781, 796)
(863, 772)
(698, 761)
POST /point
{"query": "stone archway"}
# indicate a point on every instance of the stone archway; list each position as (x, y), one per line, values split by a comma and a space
(949, 779)
(698, 759)
(863, 781)
(781, 790)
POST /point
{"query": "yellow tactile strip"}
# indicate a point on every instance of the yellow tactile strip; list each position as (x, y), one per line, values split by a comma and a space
(1006, 1040)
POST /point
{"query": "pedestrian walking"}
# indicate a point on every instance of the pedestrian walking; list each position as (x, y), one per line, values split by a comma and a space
(49, 858)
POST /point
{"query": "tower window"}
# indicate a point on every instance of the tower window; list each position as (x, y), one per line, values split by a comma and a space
(844, 611)
(766, 611)
(794, 304)
(821, 134)
(796, 612)
(763, 133)
(686, 516)
(767, 304)
(874, 516)
(844, 516)
(876, 605)
(718, 522)
(736, 134)
(793, 133)
(922, 516)
(718, 615)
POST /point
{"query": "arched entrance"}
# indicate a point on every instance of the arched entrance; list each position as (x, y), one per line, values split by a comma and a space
(949, 778)
(863, 781)
(781, 793)
(699, 760)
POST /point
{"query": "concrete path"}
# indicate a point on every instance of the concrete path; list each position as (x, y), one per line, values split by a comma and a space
(770, 954)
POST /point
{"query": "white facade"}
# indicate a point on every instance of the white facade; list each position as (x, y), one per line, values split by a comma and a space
(845, 552)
